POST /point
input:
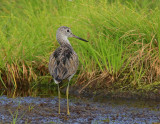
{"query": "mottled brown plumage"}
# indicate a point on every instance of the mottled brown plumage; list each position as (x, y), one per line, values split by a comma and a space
(63, 62)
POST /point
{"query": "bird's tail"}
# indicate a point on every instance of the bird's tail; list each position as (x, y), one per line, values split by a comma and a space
(57, 80)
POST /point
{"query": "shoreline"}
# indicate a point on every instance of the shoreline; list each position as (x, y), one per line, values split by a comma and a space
(103, 94)
(90, 93)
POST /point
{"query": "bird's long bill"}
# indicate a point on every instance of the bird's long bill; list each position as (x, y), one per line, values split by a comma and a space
(79, 38)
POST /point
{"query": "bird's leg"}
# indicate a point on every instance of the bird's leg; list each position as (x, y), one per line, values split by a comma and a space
(59, 96)
(67, 93)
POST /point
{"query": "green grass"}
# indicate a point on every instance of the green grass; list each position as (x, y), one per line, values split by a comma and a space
(16, 116)
(123, 37)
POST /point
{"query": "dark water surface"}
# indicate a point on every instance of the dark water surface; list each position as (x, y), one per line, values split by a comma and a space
(41, 106)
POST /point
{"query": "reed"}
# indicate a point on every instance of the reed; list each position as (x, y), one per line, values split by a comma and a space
(124, 47)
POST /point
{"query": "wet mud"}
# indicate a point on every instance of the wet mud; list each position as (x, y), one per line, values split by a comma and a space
(35, 110)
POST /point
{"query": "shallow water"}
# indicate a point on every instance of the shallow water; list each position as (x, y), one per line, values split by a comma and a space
(45, 110)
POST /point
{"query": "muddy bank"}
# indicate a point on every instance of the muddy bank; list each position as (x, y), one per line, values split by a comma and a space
(44, 110)
(103, 93)
(47, 90)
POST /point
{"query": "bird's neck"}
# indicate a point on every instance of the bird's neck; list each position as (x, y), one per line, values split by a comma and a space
(63, 40)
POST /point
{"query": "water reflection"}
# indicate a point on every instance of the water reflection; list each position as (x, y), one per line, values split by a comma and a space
(41, 91)
(45, 91)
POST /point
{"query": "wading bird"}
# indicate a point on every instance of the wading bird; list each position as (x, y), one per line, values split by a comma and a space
(63, 61)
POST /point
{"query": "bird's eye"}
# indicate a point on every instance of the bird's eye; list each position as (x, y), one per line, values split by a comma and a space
(67, 30)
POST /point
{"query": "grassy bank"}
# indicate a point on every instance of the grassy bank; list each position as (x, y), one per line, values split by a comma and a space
(123, 53)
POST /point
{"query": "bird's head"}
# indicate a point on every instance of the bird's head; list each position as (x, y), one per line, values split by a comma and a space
(64, 32)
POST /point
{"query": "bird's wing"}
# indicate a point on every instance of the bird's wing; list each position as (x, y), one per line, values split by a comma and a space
(63, 63)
